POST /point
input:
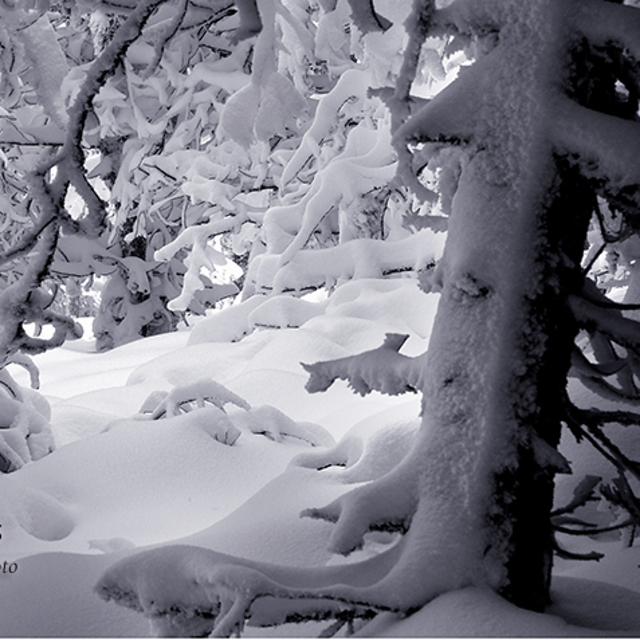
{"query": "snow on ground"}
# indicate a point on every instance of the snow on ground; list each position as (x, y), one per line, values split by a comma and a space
(119, 482)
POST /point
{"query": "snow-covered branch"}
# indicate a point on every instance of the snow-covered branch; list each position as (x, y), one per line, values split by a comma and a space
(382, 369)
(603, 146)
(72, 155)
(610, 24)
(609, 322)
(355, 259)
(212, 594)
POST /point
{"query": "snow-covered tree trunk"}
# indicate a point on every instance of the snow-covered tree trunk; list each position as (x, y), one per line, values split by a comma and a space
(495, 374)
(501, 343)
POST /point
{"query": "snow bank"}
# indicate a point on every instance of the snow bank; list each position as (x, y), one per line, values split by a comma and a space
(118, 484)
(480, 613)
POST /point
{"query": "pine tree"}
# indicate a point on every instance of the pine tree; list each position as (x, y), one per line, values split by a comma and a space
(544, 123)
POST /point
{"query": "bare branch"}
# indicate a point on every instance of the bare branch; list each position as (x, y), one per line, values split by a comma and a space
(592, 530)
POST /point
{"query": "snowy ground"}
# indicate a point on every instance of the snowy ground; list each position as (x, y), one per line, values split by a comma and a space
(118, 482)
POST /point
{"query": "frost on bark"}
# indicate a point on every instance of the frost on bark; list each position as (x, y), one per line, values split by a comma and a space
(473, 498)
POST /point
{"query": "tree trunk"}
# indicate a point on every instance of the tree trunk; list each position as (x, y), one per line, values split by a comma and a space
(549, 323)
(495, 380)
(500, 348)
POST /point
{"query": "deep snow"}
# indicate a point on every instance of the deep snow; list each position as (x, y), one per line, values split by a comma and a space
(119, 483)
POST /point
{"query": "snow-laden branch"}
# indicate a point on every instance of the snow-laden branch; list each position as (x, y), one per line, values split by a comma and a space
(471, 17)
(191, 235)
(382, 369)
(203, 403)
(47, 61)
(202, 392)
(355, 259)
(270, 104)
(417, 26)
(27, 241)
(584, 367)
(167, 34)
(609, 322)
(202, 254)
(71, 155)
(604, 147)
(211, 594)
(21, 301)
(366, 163)
(353, 84)
(25, 433)
(451, 117)
(609, 23)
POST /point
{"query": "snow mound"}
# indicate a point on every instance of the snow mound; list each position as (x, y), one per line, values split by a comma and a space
(370, 449)
(73, 422)
(227, 325)
(481, 613)
(283, 311)
(37, 513)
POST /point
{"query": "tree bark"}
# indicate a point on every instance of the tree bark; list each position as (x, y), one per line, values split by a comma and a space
(564, 226)
(500, 348)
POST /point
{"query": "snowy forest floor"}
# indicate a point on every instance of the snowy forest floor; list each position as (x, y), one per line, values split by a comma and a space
(118, 483)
